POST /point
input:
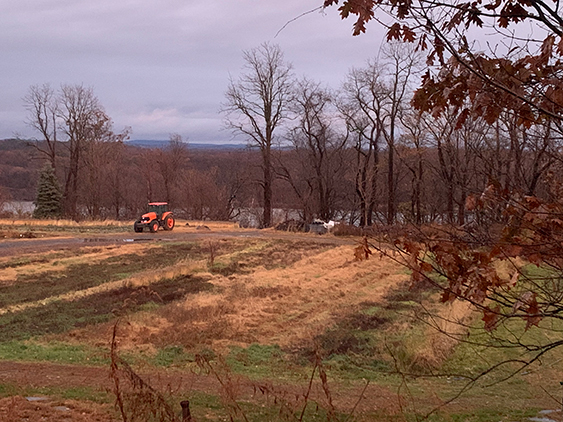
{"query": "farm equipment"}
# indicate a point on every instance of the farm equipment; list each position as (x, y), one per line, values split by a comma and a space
(157, 216)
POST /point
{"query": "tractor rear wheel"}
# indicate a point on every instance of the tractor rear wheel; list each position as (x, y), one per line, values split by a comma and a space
(168, 223)
(153, 226)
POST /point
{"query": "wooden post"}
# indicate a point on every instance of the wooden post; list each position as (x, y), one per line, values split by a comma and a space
(186, 416)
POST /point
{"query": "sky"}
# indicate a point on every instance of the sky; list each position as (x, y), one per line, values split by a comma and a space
(162, 67)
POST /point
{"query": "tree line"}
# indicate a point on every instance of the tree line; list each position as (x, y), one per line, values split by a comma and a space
(360, 153)
(369, 153)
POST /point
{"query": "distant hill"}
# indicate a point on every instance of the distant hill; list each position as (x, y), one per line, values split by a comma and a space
(147, 143)
(18, 169)
(20, 162)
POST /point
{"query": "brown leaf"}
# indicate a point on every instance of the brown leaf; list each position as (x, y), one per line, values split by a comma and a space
(447, 296)
(547, 47)
(412, 248)
(491, 6)
(491, 318)
(535, 259)
(532, 320)
(533, 316)
(408, 34)
(560, 47)
(512, 251)
(394, 32)
(426, 267)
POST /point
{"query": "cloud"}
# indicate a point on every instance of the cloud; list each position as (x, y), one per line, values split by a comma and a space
(196, 126)
(149, 62)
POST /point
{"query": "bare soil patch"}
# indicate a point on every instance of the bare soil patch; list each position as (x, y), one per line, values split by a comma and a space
(18, 408)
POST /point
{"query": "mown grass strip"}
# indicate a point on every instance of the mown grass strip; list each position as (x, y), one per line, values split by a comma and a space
(31, 288)
(274, 254)
(60, 316)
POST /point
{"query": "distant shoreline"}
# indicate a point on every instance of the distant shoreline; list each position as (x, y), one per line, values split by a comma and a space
(148, 143)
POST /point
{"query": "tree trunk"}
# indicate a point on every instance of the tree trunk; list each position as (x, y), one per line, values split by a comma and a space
(267, 185)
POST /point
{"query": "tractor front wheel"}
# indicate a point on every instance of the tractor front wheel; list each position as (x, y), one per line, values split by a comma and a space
(169, 223)
(153, 226)
(138, 229)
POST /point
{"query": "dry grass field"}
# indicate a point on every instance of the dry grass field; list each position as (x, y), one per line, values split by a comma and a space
(247, 325)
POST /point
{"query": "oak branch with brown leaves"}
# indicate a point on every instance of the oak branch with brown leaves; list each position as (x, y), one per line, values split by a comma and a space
(518, 72)
(509, 267)
(507, 260)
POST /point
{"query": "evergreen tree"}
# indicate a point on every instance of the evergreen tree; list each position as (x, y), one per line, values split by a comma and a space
(49, 197)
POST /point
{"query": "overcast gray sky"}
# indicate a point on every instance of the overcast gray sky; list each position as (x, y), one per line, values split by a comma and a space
(163, 66)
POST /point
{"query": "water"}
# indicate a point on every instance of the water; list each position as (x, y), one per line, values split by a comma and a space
(18, 207)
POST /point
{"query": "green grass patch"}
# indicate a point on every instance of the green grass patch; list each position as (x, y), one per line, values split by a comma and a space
(172, 356)
(20, 262)
(263, 361)
(351, 367)
(45, 258)
(8, 390)
(207, 407)
(58, 352)
(83, 393)
(355, 334)
(368, 343)
(224, 269)
(483, 347)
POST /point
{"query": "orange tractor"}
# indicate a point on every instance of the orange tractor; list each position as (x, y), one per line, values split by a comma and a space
(157, 216)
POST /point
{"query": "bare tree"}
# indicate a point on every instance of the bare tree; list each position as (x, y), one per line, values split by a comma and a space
(401, 66)
(318, 149)
(117, 173)
(41, 104)
(74, 117)
(171, 161)
(204, 198)
(84, 122)
(517, 156)
(100, 186)
(256, 106)
(149, 174)
(80, 112)
(4, 198)
(361, 104)
(414, 156)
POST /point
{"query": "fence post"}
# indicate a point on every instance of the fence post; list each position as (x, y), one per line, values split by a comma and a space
(186, 416)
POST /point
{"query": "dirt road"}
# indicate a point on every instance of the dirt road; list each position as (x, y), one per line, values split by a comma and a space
(27, 246)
